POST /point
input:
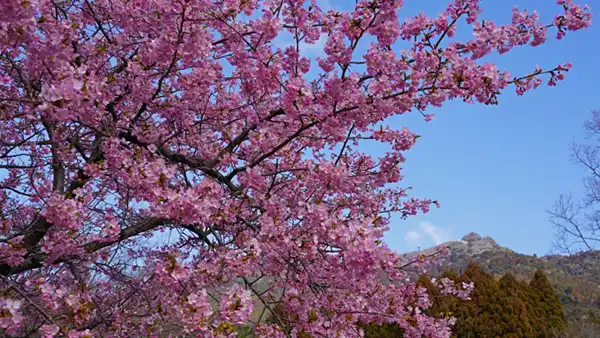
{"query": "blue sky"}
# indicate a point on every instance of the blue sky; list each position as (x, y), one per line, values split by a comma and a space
(497, 169)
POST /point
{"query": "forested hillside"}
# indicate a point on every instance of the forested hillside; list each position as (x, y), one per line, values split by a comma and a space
(574, 278)
(505, 307)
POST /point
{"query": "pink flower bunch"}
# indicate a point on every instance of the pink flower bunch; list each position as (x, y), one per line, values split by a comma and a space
(187, 167)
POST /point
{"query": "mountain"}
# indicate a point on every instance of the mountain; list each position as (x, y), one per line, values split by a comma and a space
(576, 278)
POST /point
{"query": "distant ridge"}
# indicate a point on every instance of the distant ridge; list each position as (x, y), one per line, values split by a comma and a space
(470, 244)
(576, 278)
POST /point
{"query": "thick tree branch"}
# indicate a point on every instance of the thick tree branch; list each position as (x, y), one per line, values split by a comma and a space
(35, 260)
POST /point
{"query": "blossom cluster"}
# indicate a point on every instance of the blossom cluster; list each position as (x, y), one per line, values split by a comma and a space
(173, 167)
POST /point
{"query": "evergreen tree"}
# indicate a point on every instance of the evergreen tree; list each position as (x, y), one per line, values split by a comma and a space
(506, 308)
(515, 319)
(479, 317)
(550, 309)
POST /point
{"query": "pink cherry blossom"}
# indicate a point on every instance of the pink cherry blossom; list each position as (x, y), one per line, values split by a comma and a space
(186, 167)
(49, 331)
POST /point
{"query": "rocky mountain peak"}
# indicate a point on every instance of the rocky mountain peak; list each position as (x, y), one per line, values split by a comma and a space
(471, 237)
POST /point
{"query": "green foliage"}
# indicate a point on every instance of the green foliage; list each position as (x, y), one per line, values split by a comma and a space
(549, 307)
(384, 330)
(244, 332)
(574, 278)
(498, 308)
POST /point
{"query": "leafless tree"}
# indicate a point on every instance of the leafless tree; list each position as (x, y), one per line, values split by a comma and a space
(577, 220)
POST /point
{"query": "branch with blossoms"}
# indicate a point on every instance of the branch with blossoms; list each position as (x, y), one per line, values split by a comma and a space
(153, 155)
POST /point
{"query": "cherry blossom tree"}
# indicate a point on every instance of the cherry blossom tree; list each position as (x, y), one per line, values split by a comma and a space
(172, 167)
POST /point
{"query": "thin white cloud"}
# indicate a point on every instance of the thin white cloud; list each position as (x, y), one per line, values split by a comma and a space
(315, 49)
(412, 237)
(436, 234)
(325, 4)
(427, 233)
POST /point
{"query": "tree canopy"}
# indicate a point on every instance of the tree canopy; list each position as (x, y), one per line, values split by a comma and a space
(497, 308)
(172, 167)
